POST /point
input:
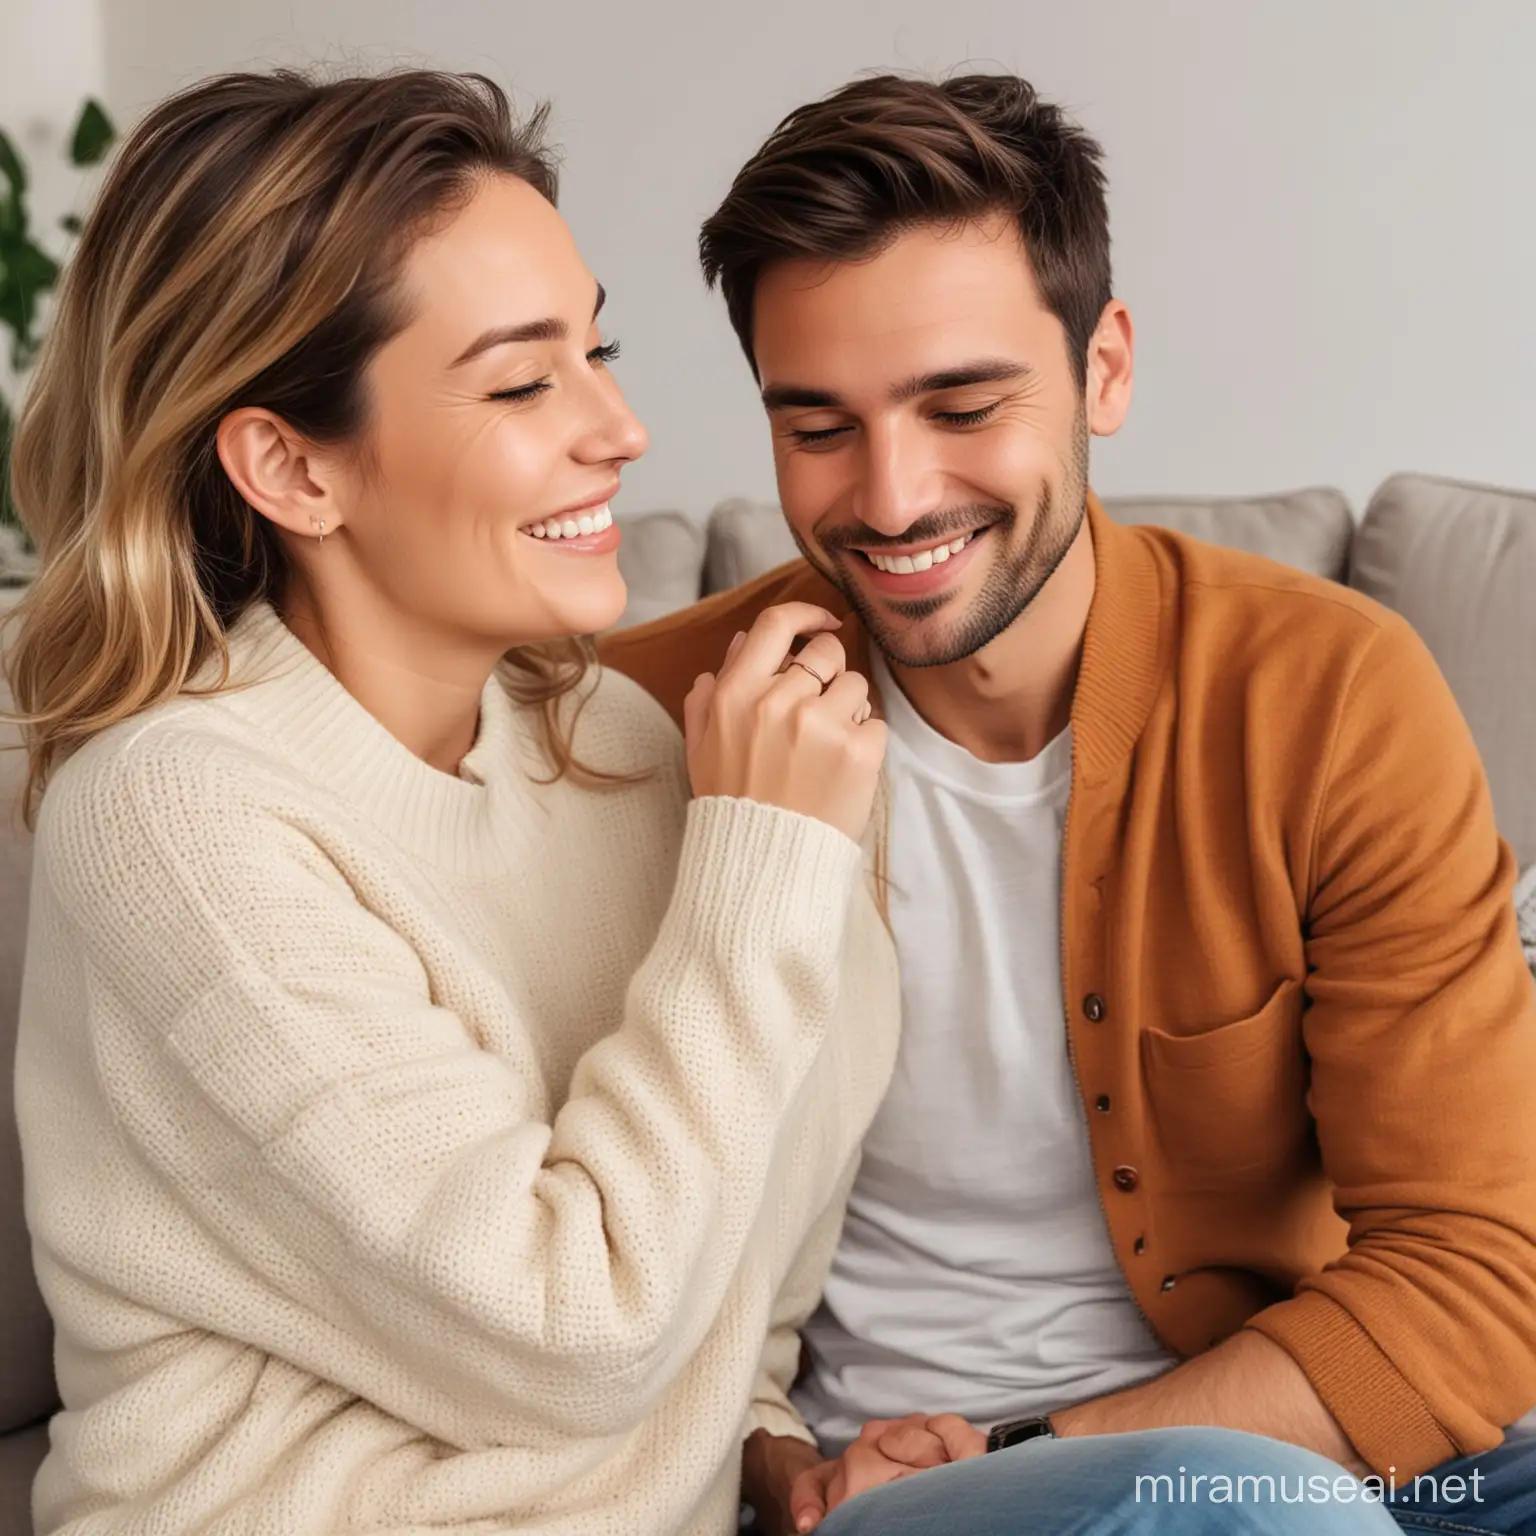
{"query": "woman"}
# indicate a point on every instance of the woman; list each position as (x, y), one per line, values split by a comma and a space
(428, 1113)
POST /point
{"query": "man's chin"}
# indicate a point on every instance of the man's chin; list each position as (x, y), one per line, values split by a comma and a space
(919, 645)
(931, 630)
(933, 637)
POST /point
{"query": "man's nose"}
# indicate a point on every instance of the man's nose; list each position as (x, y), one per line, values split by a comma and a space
(899, 481)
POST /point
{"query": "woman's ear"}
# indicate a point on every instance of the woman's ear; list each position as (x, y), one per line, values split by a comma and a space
(1111, 367)
(279, 473)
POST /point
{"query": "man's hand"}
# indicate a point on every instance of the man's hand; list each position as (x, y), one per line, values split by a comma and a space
(886, 1450)
(770, 1465)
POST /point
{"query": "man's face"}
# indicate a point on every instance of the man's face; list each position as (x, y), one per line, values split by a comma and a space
(929, 434)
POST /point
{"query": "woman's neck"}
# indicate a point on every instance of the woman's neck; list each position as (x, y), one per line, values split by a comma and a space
(422, 685)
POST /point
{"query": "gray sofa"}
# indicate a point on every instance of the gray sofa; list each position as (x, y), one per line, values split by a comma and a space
(1457, 560)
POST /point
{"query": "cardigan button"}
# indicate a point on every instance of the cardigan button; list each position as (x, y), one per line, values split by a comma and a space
(1093, 1006)
(1125, 1178)
(1169, 1282)
(1139, 1246)
(1102, 1104)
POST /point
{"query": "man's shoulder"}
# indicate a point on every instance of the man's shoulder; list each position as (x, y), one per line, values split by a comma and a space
(665, 655)
(1269, 642)
(1224, 591)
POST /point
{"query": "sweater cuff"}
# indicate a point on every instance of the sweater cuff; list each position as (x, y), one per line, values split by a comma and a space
(776, 1419)
(771, 875)
(1385, 1418)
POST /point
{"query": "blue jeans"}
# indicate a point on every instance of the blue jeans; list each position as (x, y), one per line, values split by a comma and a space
(1194, 1481)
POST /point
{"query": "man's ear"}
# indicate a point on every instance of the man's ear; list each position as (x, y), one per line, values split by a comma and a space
(1111, 366)
(279, 473)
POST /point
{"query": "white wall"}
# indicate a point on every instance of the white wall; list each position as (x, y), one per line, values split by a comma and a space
(1323, 212)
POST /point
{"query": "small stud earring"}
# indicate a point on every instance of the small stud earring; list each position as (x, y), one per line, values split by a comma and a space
(320, 535)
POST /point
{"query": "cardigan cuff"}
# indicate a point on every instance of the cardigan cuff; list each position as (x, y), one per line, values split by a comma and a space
(1386, 1420)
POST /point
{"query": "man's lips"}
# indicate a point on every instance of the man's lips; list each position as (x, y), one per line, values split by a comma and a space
(905, 559)
(917, 570)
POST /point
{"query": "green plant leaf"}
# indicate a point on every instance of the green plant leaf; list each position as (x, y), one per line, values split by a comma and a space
(7, 426)
(27, 272)
(93, 134)
(13, 198)
(11, 167)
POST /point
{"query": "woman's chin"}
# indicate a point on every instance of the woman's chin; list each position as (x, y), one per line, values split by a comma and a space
(590, 607)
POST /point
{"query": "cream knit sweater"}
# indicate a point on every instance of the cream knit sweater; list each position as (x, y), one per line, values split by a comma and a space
(412, 1152)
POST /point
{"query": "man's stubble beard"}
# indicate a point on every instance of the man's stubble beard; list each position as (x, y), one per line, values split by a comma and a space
(1013, 584)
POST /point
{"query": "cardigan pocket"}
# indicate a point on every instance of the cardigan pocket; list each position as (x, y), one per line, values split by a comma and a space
(1229, 1105)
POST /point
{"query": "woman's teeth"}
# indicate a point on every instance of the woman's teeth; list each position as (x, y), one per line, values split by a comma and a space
(594, 521)
(906, 565)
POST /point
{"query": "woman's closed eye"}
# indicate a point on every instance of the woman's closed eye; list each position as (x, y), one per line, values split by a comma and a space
(599, 357)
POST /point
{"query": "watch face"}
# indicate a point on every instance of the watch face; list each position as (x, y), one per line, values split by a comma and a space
(1016, 1431)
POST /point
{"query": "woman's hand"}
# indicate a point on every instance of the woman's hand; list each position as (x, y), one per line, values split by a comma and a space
(792, 730)
(886, 1451)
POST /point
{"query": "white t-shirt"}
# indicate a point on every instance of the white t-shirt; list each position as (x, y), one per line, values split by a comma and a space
(975, 1273)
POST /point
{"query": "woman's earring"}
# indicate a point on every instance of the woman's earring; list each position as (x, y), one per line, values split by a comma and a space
(320, 529)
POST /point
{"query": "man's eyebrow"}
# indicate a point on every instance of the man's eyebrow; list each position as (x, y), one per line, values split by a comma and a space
(780, 397)
(983, 370)
(548, 329)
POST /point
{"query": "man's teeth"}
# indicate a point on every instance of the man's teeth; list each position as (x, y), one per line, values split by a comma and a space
(907, 565)
(594, 521)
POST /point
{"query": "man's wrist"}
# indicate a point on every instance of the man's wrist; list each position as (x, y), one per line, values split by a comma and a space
(1076, 1420)
(769, 1466)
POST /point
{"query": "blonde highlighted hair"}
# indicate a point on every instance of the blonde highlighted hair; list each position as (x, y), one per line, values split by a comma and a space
(244, 251)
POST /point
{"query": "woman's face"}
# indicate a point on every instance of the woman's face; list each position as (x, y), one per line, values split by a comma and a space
(495, 436)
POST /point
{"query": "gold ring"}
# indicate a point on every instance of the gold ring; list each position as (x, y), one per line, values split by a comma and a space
(812, 670)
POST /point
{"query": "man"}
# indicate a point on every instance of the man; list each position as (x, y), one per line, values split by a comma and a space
(1212, 1107)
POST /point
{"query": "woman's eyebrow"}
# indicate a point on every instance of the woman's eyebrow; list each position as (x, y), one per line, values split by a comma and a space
(548, 329)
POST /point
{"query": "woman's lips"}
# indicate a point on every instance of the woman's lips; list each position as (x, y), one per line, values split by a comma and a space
(591, 532)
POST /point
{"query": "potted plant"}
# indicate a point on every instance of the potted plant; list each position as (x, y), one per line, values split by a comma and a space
(27, 274)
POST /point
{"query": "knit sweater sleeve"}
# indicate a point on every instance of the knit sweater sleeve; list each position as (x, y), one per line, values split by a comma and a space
(272, 1049)
(797, 1298)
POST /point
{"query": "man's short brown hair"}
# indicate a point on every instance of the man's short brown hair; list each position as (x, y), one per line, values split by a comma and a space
(843, 177)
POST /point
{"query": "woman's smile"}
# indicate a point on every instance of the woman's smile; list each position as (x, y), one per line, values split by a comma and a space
(587, 528)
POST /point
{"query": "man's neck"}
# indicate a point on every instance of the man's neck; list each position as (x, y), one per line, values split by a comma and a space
(1006, 702)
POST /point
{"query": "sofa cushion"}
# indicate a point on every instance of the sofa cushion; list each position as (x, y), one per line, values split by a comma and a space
(746, 538)
(21, 1454)
(1525, 914)
(27, 1389)
(1458, 561)
(661, 557)
(1309, 529)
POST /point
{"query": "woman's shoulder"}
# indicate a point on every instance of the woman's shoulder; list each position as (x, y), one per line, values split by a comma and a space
(158, 781)
(617, 727)
(629, 712)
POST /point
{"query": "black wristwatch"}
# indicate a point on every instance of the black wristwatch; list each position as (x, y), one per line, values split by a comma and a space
(1017, 1431)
